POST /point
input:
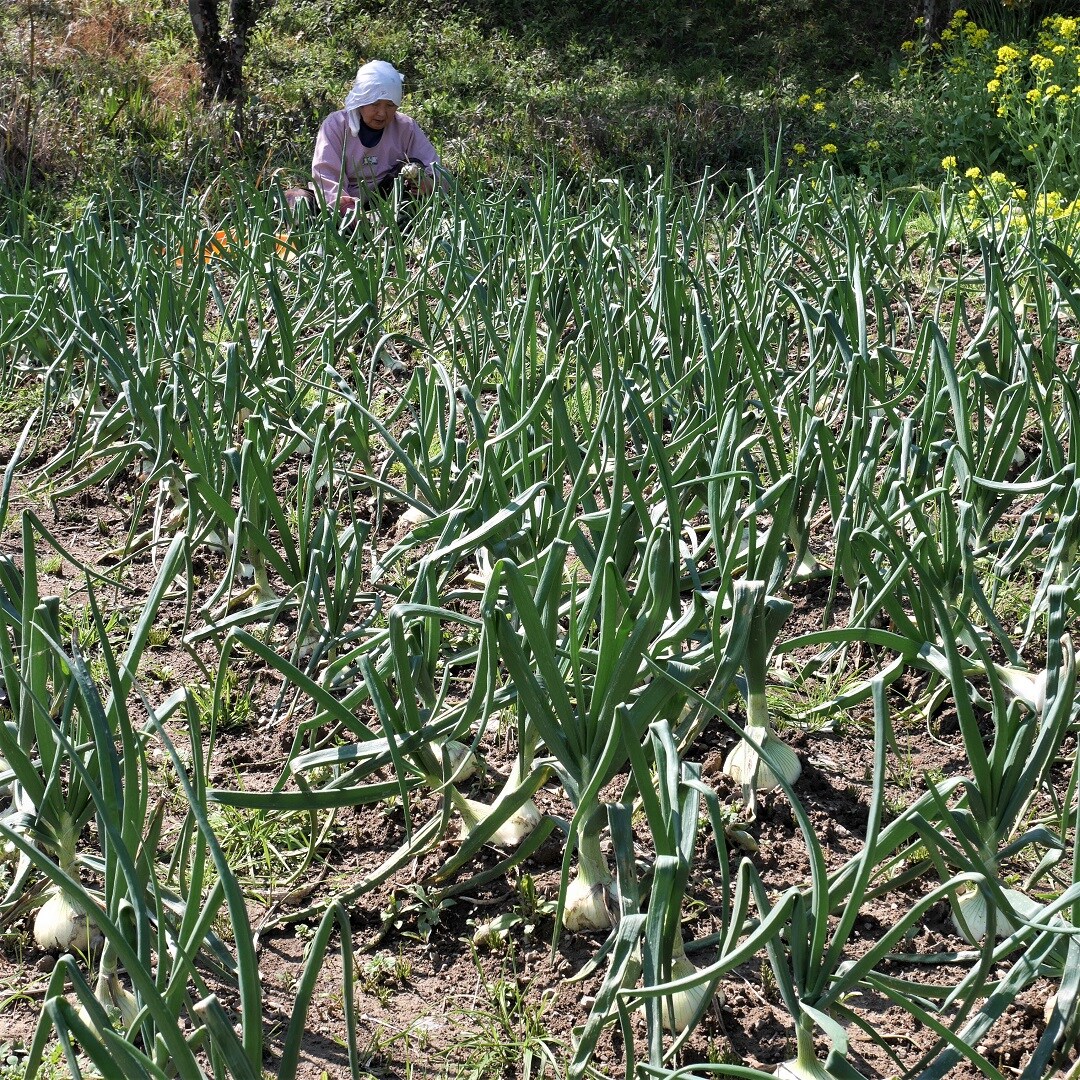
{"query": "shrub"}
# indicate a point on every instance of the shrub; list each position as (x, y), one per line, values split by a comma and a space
(1010, 107)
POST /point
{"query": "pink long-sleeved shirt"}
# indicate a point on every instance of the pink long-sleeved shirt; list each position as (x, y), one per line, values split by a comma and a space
(343, 165)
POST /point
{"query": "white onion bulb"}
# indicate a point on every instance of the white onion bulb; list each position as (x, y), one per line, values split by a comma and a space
(796, 1069)
(1029, 687)
(414, 516)
(587, 905)
(462, 760)
(679, 1011)
(511, 832)
(118, 1002)
(744, 763)
(60, 926)
(972, 906)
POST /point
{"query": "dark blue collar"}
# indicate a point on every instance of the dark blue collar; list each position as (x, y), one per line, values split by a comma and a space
(368, 135)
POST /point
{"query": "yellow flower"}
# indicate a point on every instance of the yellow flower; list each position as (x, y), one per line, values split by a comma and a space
(1040, 63)
(948, 163)
(998, 178)
(800, 148)
(873, 145)
(936, 46)
(1052, 90)
(947, 34)
(1008, 55)
(1019, 193)
(993, 86)
(820, 91)
(819, 106)
(804, 99)
(829, 148)
(973, 173)
(1033, 95)
(832, 125)
(907, 46)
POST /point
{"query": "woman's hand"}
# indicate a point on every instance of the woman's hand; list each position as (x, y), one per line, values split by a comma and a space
(346, 203)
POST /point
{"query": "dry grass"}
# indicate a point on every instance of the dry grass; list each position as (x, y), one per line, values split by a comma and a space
(75, 72)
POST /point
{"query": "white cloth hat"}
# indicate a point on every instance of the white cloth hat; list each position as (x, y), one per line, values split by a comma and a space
(375, 81)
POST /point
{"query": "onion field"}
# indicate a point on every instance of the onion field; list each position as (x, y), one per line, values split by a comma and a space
(657, 600)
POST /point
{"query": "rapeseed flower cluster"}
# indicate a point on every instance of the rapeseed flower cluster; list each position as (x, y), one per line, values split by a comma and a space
(993, 204)
(818, 127)
(834, 129)
(1014, 105)
(1013, 108)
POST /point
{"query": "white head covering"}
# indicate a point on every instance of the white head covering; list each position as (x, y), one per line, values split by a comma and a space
(375, 81)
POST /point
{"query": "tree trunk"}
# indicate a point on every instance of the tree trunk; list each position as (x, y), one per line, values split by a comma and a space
(222, 47)
(936, 16)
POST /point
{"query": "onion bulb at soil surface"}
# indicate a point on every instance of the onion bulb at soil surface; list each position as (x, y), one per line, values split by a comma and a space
(414, 516)
(1028, 687)
(807, 569)
(587, 906)
(796, 1069)
(805, 1065)
(460, 757)
(118, 1002)
(60, 926)
(972, 906)
(678, 1011)
(745, 765)
(510, 833)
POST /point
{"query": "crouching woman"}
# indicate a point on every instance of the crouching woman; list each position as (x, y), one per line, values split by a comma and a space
(363, 147)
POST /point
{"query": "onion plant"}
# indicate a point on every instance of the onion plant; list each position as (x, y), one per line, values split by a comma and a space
(745, 764)
(672, 808)
(1027, 735)
(569, 688)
